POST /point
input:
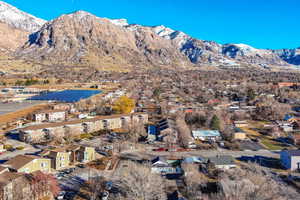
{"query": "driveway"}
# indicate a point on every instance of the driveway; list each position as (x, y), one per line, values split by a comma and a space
(28, 149)
(204, 153)
(249, 145)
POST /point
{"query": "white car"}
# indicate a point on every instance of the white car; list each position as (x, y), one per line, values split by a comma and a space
(61, 195)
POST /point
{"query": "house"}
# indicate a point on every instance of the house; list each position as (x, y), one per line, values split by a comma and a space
(165, 126)
(49, 115)
(240, 123)
(214, 101)
(222, 162)
(285, 126)
(62, 106)
(160, 165)
(28, 164)
(16, 186)
(286, 84)
(2, 148)
(60, 159)
(81, 154)
(290, 159)
(56, 115)
(193, 160)
(3, 169)
(239, 134)
(39, 117)
(295, 138)
(13, 186)
(166, 130)
(206, 135)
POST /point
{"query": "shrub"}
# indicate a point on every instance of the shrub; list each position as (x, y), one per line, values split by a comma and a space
(20, 148)
(8, 146)
(85, 136)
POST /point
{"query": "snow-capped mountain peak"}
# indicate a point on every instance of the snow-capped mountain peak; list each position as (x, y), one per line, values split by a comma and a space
(119, 22)
(19, 19)
(162, 31)
(245, 47)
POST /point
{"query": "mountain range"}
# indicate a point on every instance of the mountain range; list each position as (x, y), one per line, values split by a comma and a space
(85, 40)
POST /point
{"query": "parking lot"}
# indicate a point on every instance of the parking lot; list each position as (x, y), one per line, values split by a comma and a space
(70, 180)
(250, 145)
(27, 149)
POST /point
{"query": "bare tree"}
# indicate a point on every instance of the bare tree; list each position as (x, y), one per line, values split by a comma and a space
(193, 179)
(253, 183)
(184, 133)
(138, 183)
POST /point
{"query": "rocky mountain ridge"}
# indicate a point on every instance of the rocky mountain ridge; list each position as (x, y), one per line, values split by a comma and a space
(83, 39)
(210, 52)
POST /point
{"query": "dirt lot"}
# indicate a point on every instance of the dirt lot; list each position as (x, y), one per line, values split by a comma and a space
(12, 107)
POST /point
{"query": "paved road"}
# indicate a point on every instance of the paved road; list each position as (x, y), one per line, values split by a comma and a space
(205, 153)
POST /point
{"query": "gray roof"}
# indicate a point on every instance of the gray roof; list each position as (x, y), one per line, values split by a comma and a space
(221, 160)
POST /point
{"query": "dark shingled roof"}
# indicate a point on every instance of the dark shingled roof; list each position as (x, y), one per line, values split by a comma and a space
(221, 160)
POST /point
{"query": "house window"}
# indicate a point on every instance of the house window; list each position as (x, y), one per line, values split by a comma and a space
(62, 158)
(105, 124)
(140, 117)
(85, 128)
(43, 165)
(26, 170)
(85, 156)
(123, 121)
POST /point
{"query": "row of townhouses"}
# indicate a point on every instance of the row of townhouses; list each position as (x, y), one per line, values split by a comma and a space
(39, 132)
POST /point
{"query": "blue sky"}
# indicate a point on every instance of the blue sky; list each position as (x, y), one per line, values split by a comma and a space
(261, 23)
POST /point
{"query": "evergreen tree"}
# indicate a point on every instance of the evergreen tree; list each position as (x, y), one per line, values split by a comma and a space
(215, 123)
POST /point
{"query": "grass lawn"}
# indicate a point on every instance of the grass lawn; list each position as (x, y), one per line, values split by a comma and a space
(250, 131)
(271, 145)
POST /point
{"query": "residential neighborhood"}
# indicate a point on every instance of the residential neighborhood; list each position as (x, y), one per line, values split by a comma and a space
(97, 108)
(172, 133)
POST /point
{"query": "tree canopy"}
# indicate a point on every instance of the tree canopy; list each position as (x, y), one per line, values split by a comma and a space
(123, 105)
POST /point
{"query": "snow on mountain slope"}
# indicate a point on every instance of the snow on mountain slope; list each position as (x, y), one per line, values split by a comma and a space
(19, 19)
(119, 22)
(291, 56)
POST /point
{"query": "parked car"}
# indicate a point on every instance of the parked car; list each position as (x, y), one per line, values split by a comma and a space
(105, 195)
(103, 153)
(161, 149)
(69, 195)
(61, 195)
(255, 139)
(81, 165)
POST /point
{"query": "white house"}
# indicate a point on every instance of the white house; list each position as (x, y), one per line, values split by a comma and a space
(205, 135)
(222, 162)
(161, 166)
